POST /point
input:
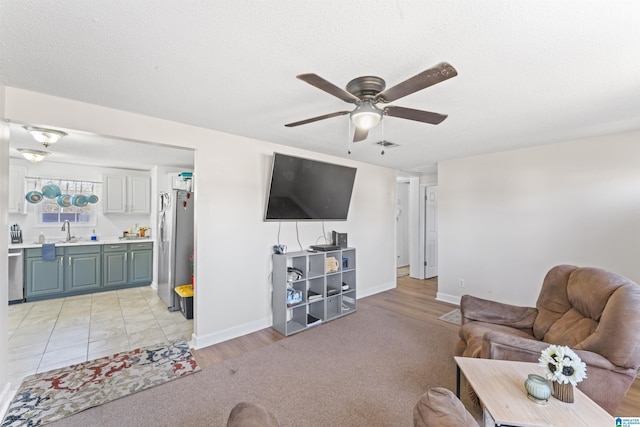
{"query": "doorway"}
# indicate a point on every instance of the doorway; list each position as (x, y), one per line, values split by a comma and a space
(402, 227)
(430, 231)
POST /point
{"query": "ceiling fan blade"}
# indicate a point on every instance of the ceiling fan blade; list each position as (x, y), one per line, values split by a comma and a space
(417, 115)
(360, 135)
(315, 119)
(433, 75)
(330, 88)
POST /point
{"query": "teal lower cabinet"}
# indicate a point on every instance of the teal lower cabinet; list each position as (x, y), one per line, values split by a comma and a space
(83, 268)
(114, 263)
(141, 263)
(43, 278)
(86, 269)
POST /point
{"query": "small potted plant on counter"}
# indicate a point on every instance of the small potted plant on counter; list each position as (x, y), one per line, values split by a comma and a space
(142, 231)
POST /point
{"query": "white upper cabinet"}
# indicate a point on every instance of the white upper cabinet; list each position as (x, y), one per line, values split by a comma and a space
(139, 195)
(17, 201)
(127, 194)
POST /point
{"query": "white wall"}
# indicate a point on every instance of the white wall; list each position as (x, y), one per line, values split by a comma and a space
(233, 244)
(507, 218)
(4, 273)
(429, 179)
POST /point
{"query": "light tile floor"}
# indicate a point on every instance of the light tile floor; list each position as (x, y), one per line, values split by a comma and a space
(54, 333)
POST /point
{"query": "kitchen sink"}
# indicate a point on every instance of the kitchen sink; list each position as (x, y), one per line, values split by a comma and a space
(61, 241)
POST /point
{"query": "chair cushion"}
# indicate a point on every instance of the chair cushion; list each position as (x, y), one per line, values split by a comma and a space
(247, 414)
(590, 309)
(553, 300)
(440, 407)
(570, 329)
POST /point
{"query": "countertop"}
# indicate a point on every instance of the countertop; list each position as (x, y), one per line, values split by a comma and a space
(82, 242)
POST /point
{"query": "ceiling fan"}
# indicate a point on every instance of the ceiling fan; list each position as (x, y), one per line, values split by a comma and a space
(367, 91)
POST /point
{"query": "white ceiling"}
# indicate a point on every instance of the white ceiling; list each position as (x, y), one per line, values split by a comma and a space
(95, 150)
(530, 72)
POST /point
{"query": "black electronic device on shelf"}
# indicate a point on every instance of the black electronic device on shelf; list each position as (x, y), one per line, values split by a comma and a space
(312, 320)
(339, 239)
(325, 248)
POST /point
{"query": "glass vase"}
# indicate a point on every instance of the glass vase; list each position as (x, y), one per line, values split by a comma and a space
(537, 388)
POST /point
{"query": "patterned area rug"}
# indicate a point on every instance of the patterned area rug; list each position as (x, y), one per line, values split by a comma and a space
(50, 396)
(452, 317)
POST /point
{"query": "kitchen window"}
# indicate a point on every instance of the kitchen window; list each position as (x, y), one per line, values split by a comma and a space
(52, 212)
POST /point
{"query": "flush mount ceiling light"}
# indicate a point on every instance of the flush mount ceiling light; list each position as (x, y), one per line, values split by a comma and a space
(33, 156)
(45, 136)
(366, 116)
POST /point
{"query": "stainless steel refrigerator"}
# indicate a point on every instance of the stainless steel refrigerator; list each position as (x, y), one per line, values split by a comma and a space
(175, 244)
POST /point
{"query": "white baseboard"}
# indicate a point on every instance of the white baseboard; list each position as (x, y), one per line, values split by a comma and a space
(451, 299)
(372, 291)
(201, 341)
(6, 396)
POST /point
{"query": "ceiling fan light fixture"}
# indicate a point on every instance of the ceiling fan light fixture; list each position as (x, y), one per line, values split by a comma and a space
(45, 136)
(366, 116)
(34, 156)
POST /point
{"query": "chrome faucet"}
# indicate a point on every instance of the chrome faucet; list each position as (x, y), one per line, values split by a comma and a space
(67, 226)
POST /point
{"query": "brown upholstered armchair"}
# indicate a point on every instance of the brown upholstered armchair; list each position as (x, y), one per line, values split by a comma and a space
(595, 312)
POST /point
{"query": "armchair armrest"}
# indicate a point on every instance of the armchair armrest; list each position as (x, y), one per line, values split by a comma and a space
(482, 310)
(498, 345)
(502, 346)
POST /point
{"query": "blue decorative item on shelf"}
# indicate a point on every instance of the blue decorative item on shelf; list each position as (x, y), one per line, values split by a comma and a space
(294, 297)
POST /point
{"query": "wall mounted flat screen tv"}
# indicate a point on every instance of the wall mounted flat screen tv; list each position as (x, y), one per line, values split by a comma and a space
(308, 190)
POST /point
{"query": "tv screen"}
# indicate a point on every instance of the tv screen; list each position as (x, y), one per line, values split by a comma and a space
(308, 190)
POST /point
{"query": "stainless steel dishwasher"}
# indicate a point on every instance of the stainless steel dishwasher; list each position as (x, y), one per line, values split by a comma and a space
(16, 283)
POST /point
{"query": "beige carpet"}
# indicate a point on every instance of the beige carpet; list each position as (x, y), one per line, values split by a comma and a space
(366, 369)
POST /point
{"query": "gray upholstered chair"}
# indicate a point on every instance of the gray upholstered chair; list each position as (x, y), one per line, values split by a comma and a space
(592, 311)
(438, 407)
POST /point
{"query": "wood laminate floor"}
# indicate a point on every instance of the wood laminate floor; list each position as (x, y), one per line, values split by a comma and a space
(413, 298)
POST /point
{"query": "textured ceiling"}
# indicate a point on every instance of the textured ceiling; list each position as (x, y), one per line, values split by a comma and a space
(530, 73)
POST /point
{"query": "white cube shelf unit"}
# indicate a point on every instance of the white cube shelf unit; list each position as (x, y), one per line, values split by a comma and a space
(326, 294)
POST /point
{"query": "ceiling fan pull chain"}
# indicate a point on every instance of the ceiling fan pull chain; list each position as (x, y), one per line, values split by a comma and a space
(382, 130)
(348, 136)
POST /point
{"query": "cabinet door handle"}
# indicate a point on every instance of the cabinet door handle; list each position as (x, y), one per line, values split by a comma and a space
(125, 257)
(61, 262)
(69, 261)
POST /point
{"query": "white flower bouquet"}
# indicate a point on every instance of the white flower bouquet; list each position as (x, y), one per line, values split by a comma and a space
(562, 365)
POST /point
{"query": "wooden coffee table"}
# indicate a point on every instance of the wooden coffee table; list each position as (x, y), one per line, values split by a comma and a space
(500, 386)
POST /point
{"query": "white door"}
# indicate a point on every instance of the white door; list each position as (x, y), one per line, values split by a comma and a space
(431, 232)
(402, 224)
